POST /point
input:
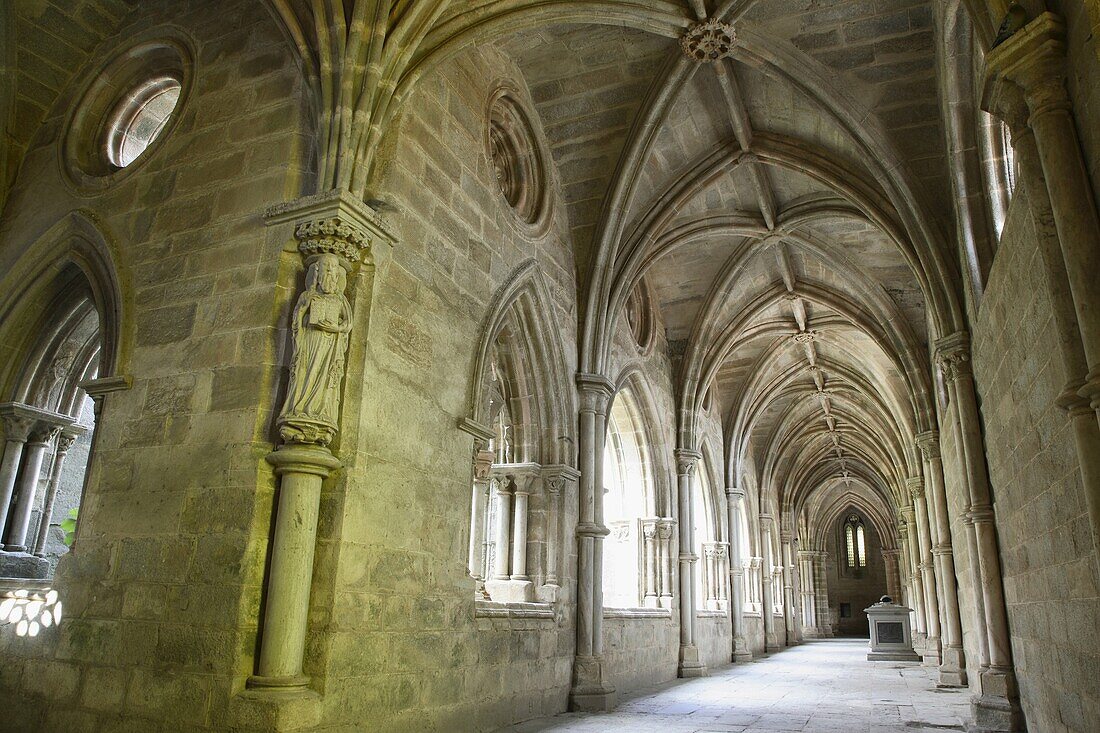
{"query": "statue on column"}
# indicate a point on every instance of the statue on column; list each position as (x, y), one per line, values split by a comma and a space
(320, 324)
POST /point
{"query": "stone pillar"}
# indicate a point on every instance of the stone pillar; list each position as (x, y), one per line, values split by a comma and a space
(591, 689)
(734, 498)
(664, 548)
(17, 428)
(557, 479)
(771, 641)
(907, 526)
(807, 596)
(893, 582)
(651, 579)
(690, 665)
(953, 664)
(1033, 59)
(1007, 101)
(786, 543)
(65, 443)
(483, 463)
(519, 528)
(337, 236)
(821, 586)
(502, 533)
(927, 573)
(42, 434)
(997, 706)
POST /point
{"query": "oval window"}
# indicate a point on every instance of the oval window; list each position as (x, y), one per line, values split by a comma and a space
(139, 118)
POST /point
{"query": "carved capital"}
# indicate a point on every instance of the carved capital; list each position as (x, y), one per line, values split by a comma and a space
(66, 441)
(483, 463)
(709, 41)
(915, 485)
(44, 432)
(687, 461)
(649, 530)
(929, 444)
(664, 529)
(1033, 59)
(17, 427)
(557, 477)
(953, 355)
(595, 391)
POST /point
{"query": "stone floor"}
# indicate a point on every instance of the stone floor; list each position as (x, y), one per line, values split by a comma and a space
(824, 685)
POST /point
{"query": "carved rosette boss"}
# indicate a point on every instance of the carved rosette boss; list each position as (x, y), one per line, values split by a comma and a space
(709, 41)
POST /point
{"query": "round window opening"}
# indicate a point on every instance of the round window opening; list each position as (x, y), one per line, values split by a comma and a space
(517, 160)
(139, 118)
(639, 317)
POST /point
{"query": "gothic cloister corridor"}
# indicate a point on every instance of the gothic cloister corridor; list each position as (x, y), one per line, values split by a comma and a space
(821, 686)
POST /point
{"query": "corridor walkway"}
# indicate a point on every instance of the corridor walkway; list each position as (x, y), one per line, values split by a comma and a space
(821, 686)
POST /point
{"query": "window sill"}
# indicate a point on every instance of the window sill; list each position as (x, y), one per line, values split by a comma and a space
(496, 609)
(711, 614)
(751, 614)
(637, 613)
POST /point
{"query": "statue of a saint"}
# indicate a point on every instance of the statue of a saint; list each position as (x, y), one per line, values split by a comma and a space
(320, 324)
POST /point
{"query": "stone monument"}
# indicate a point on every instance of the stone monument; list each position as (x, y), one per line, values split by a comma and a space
(891, 636)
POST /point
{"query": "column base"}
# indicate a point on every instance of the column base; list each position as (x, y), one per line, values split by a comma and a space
(931, 653)
(996, 709)
(690, 664)
(952, 668)
(288, 684)
(23, 565)
(592, 692)
(511, 591)
(276, 710)
(741, 651)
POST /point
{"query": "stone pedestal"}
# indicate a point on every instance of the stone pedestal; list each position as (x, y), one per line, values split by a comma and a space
(891, 637)
(23, 565)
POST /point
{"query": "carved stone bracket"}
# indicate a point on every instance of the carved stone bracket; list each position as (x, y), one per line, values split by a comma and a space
(335, 233)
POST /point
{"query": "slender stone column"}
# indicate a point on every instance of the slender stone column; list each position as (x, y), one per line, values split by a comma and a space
(502, 533)
(652, 573)
(337, 236)
(907, 526)
(928, 578)
(734, 498)
(771, 641)
(557, 479)
(808, 600)
(42, 434)
(953, 665)
(591, 689)
(893, 583)
(786, 543)
(690, 665)
(664, 547)
(16, 430)
(821, 586)
(65, 443)
(483, 463)
(519, 528)
(1034, 59)
(997, 706)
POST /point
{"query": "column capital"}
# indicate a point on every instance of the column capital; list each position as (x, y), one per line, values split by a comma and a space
(595, 391)
(766, 520)
(929, 444)
(734, 493)
(915, 486)
(953, 354)
(557, 476)
(1033, 59)
(687, 461)
(27, 423)
(483, 463)
(336, 223)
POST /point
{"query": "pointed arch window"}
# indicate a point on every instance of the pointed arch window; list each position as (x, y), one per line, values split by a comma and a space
(855, 542)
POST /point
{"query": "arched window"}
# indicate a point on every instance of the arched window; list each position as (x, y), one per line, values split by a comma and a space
(855, 542)
(712, 568)
(627, 475)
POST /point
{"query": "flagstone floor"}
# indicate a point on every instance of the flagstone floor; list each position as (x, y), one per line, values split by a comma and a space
(821, 686)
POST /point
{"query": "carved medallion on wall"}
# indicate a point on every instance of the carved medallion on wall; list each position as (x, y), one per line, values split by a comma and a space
(519, 163)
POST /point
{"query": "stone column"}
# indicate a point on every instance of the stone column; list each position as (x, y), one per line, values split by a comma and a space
(17, 428)
(651, 580)
(771, 641)
(557, 479)
(789, 616)
(734, 498)
(664, 548)
(1007, 101)
(502, 533)
(953, 664)
(483, 463)
(591, 689)
(42, 434)
(519, 528)
(690, 665)
(1033, 59)
(821, 586)
(997, 706)
(907, 525)
(337, 236)
(927, 573)
(893, 581)
(65, 443)
(807, 596)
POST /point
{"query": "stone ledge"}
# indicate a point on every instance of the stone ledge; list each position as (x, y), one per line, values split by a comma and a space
(495, 609)
(708, 613)
(637, 613)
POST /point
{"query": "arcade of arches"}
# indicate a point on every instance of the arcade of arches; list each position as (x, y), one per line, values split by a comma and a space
(439, 365)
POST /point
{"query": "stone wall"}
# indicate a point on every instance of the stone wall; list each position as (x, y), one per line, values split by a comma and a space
(1047, 554)
(641, 651)
(859, 591)
(162, 591)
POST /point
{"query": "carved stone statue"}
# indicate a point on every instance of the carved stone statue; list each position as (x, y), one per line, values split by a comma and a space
(321, 323)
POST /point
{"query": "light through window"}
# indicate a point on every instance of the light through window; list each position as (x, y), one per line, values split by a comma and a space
(139, 119)
(855, 542)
